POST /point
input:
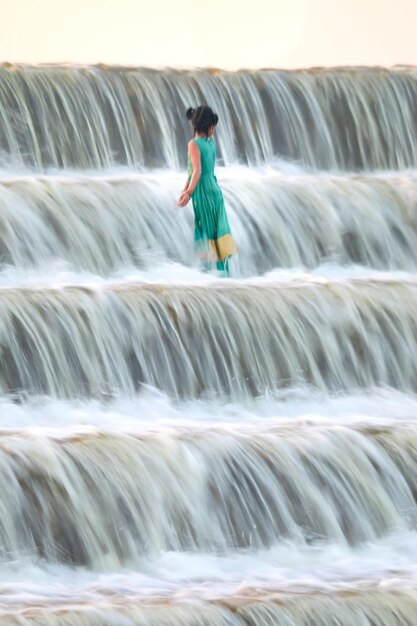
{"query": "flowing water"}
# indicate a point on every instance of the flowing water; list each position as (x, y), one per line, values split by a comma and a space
(178, 448)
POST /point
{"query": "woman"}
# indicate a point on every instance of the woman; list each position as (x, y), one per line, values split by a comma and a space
(212, 234)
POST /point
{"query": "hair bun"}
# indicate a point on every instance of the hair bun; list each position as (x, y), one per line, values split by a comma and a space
(215, 119)
(190, 113)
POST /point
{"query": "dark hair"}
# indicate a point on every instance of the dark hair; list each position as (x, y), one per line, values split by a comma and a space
(202, 118)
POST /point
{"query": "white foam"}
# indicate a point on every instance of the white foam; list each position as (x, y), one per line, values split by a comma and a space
(60, 274)
(15, 171)
(152, 410)
(286, 568)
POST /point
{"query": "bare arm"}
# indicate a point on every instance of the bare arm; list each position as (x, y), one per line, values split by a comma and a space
(195, 158)
(194, 152)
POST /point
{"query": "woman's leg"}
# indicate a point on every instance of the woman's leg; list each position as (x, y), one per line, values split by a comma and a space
(223, 266)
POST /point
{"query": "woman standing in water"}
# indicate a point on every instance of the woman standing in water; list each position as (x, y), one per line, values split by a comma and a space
(212, 234)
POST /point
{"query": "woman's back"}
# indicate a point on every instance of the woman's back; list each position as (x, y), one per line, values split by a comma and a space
(207, 149)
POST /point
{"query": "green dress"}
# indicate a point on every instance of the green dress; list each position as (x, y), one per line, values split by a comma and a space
(213, 238)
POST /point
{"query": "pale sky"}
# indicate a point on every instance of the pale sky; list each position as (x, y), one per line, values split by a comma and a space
(217, 33)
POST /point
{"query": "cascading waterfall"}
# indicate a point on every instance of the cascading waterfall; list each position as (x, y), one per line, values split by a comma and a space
(98, 117)
(209, 491)
(189, 341)
(176, 449)
(100, 225)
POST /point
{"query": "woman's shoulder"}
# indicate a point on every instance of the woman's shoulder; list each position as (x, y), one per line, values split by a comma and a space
(193, 144)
